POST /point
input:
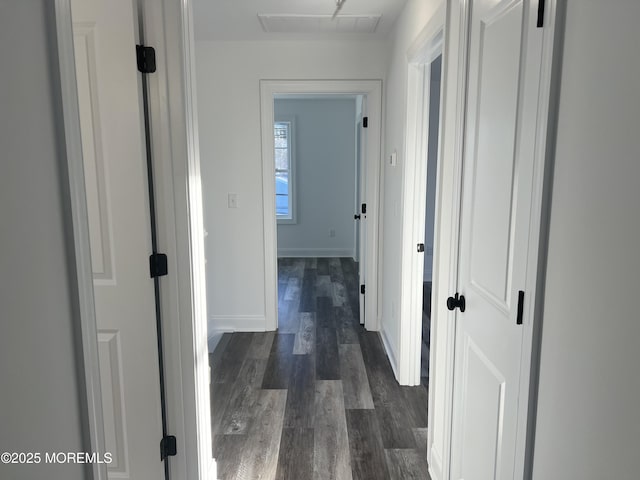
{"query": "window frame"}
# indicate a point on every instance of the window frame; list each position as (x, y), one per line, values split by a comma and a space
(291, 218)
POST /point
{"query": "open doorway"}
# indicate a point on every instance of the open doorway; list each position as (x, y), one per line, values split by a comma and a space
(316, 192)
(435, 69)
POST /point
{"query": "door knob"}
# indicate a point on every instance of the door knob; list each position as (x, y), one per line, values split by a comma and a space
(457, 301)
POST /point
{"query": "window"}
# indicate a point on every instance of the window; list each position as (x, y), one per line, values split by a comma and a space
(283, 132)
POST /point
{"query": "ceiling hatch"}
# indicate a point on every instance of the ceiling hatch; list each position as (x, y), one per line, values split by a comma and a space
(283, 23)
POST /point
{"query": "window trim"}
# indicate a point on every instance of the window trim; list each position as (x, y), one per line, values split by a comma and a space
(292, 218)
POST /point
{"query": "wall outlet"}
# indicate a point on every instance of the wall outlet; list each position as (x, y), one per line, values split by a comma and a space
(233, 200)
(332, 233)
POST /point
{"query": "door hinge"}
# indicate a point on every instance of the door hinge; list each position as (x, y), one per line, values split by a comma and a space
(363, 209)
(146, 57)
(168, 447)
(540, 21)
(420, 247)
(520, 307)
(362, 289)
(365, 122)
(158, 265)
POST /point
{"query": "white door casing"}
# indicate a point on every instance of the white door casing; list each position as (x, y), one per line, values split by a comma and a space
(112, 136)
(362, 224)
(371, 155)
(500, 216)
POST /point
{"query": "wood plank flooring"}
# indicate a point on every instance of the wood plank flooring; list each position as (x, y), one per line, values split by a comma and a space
(316, 400)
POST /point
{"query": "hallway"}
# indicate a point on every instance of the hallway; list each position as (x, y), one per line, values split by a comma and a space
(317, 399)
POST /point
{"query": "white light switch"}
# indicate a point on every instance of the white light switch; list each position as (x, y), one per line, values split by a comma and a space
(233, 200)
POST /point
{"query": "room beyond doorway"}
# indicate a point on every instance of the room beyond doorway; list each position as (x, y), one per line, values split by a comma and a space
(319, 401)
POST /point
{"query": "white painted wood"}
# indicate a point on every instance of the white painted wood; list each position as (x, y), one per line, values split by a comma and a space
(426, 48)
(77, 211)
(362, 223)
(172, 95)
(501, 214)
(373, 90)
(125, 308)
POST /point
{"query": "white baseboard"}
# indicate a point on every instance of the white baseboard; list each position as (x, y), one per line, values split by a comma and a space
(435, 464)
(220, 324)
(390, 352)
(315, 252)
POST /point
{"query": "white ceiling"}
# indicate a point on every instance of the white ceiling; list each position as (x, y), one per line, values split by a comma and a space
(238, 19)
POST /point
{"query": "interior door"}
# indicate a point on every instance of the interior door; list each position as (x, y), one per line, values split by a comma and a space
(503, 84)
(117, 196)
(362, 224)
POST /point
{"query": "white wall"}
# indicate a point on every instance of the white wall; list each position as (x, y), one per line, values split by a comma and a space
(39, 400)
(412, 21)
(432, 165)
(588, 424)
(325, 171)
(228, 75)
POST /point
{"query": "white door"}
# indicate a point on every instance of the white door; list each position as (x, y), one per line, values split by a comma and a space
(503, 84)
(115, 175)
(362, 224)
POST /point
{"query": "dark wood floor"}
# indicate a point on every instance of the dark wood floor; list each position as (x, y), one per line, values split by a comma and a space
(317, 399)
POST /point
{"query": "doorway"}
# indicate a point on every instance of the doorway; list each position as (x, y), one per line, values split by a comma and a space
(316, 188)
(367, 194)
(433, 122)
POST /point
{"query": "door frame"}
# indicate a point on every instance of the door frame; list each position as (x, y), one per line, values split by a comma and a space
(426, 49)
(372, 89)
(172, 98)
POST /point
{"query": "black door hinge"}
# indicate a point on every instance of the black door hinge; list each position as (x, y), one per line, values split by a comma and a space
(520, 307)
(146, 57)
(540, 21)
(363, 209)
(362, 289)
(158, 265)
(365, 122)
(168, 447)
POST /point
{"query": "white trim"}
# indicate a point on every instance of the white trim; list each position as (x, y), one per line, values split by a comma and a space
(230, 323)
(293, 191)
(389, 351)
(315, 252)
(172, 96)
(414, 194)
(538, 227)
(76, 211)
(447, 221)
(373, 90)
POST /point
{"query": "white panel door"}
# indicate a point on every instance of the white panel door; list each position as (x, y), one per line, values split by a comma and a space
(503, 83)
(115, 175)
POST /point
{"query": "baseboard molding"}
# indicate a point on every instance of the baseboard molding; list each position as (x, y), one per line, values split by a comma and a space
(237, 323)
(435, 464)
(390, 352)
(315, 252)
